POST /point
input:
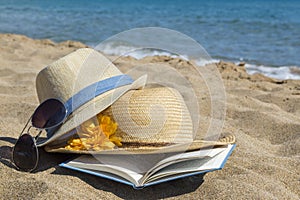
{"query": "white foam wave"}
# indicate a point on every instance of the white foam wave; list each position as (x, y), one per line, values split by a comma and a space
(283, 72)
(203, 62)
(134, 51)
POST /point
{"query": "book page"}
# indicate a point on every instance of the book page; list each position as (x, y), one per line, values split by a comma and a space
(200, 154)
(131, 167)
(194, 165)
(139, 163)
(91, 163)
(134, 167)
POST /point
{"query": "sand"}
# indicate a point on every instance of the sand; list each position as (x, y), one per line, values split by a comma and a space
(263, 114)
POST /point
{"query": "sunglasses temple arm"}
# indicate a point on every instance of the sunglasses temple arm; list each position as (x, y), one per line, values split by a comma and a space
(25, 125)
(38, 135)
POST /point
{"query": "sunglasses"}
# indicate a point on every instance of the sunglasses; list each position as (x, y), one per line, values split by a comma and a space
(47, 115)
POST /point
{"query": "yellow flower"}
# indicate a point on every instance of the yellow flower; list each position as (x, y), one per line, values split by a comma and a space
(96, 134)
(109, 128)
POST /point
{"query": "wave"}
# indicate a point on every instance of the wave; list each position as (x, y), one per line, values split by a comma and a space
(125, 49)
(282, 72)
(121, 48)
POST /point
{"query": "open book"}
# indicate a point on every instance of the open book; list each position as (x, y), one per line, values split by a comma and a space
(139, 170)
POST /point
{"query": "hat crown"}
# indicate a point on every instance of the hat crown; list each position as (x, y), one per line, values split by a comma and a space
(152, 115)
(70, 74)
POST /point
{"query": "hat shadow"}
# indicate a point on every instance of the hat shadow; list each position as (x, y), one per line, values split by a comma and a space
(163, 190)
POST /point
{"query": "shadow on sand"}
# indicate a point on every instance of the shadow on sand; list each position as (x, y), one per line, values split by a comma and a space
(49, 160)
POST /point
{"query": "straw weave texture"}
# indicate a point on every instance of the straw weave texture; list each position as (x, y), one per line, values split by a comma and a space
(152, 115)
(70, 74)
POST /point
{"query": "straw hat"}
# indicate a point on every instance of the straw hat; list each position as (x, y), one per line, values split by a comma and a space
(149, 119)
(75, 80)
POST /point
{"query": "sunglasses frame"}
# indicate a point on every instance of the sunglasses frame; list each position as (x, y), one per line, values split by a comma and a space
(36, 155)
(34, 139)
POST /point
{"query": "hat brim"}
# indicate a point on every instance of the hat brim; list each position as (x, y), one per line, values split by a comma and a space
(92, 108)
(142, 149)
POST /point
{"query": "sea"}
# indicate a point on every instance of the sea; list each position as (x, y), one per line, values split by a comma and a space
(265, 34)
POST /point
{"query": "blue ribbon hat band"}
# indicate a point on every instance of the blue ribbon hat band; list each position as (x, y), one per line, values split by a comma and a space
(94, 90)
(90, 92)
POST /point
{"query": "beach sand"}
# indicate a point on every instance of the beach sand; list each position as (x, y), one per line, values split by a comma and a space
(263, 114)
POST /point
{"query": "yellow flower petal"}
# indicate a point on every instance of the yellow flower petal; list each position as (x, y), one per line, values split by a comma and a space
(96, 137)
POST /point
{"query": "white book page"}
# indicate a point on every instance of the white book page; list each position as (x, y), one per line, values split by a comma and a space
(190, 155)
(90, 163)
(194, 165)
(132, 168)
(203, 153)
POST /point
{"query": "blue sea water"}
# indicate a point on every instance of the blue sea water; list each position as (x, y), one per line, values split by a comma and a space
(264, 34)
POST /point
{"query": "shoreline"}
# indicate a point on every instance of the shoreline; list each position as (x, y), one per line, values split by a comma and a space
(284, 72)
(263, 113)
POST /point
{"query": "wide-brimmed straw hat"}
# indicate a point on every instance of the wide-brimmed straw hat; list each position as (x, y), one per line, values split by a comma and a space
(86, 82)
(149, 119)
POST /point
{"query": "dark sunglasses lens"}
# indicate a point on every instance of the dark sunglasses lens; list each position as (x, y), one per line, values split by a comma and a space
(50, 113)
(25, 153)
